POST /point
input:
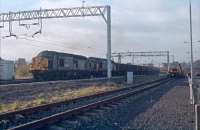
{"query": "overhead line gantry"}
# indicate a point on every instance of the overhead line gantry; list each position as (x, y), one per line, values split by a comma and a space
(121, 55)
(103, 11)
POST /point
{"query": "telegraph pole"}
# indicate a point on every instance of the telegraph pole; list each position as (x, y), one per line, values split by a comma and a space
(133, 59)
(173, 58)
(192, 58)
(83, 3)
(168, 61)
(109, 64)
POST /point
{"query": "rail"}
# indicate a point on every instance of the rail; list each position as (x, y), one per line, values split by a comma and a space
(28, 111)
(26, 82)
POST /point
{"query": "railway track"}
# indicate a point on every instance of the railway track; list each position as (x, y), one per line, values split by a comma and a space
(32, 81)
(40, 82)
(40, 116)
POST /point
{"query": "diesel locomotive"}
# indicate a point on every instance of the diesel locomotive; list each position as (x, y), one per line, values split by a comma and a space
(51, 65)
(176, 70)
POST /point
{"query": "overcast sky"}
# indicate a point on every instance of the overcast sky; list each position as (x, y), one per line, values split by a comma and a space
(137, 25)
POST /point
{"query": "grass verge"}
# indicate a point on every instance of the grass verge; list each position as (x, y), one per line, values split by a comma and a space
(45, 98)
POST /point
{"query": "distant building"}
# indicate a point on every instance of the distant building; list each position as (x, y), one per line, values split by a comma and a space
(20, 62)
(6, 70)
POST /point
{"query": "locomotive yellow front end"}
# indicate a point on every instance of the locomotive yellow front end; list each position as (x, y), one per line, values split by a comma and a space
(39, 64)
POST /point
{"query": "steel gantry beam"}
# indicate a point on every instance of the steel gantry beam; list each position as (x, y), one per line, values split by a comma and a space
(103, 11)
(121, 55)
(54, 13)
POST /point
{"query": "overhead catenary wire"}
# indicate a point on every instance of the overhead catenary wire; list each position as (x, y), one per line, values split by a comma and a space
(56, 44)
(90, 41)
(38, 41)
(39, 46)
(51, 45)
(101, 11)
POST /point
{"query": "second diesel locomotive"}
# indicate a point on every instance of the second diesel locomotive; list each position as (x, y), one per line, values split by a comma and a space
(176, 70)
(51, 65)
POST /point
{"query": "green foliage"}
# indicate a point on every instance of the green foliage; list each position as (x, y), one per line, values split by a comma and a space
(17, 105)
(50, 97)
(22, 70)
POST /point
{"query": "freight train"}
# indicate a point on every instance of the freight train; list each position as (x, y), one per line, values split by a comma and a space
(51, 65)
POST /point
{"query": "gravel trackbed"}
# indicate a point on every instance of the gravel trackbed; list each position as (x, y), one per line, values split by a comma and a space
(171, 112)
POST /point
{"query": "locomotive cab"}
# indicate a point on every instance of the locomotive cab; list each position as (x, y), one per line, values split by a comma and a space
(39, 63)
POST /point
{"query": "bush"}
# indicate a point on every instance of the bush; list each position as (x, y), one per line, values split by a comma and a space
(22, 70)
